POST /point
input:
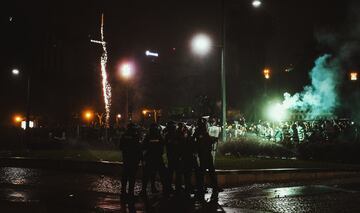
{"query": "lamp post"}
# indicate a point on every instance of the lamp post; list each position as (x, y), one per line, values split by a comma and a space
(118, 117)
(126, 72)
(17, 72)
(88, 116)
(201, 44)
(267, 76)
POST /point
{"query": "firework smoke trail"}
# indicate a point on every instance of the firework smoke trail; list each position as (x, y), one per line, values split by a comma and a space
(105, 84)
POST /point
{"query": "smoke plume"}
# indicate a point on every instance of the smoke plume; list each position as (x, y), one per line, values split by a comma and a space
(321, 97)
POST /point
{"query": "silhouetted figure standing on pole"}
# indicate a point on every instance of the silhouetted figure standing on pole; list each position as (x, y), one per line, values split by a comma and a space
(204, 143)
(131, 153)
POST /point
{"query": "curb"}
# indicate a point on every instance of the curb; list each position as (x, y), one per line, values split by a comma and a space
(226, 178)
(240, 177)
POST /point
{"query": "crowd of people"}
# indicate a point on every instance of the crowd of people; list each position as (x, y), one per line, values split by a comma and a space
(295, 132)
(186, 152)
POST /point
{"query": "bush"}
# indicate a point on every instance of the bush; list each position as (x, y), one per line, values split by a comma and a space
(347, 152)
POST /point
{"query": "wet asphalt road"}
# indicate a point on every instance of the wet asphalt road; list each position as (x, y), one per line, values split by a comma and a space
(36, 190)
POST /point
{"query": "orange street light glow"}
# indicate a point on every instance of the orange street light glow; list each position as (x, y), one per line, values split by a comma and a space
(88, 115)
(266, 73)
(144, 112)
(353, 76)
(17, 119)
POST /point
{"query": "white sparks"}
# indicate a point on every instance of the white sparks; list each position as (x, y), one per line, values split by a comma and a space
(105, 84)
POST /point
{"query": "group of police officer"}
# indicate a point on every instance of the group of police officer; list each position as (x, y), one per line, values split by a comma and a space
(187, 152)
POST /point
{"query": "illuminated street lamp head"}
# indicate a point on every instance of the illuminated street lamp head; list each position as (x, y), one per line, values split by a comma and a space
(118, 116)
(15, 72)
(256, 3)
(267, 73)
(201, 44)
(18, 119)
(353, 76)
(126, 70)
(88, 115)
(144, 112)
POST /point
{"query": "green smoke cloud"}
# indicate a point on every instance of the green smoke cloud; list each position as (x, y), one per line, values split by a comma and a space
(321, 97)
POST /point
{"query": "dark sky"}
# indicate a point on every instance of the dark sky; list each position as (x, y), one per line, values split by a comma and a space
(51, 41)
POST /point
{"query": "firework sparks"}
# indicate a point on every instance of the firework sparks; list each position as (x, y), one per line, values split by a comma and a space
(105, 84)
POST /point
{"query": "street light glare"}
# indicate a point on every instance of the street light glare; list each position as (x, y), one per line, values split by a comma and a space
(126, 70)
(256, 3)
(18, 119)
(267, 73)
(201, 44)
(353, 76)
(15, 72)
(277, 112)
(88, 115)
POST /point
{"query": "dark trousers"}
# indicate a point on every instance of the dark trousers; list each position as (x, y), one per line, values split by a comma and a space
(188, 164)
(174, 170)
(207, 165)
(153, 166)
(128, 176)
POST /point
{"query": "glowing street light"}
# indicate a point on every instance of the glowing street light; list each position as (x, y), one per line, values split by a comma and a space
(256, 3)
(126, 70)
(201, 44)
(88, 115)
(18, 119)
(353, 76)
(266, 73)
(15, 72)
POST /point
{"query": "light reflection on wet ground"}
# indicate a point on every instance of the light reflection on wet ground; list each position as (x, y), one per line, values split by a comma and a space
(19, 175)
(62, 191)
(64, 180)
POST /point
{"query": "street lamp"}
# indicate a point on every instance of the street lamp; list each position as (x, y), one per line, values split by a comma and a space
(126, 71)
(18, 119)
(88, 115)
(118, 117)
(16, 72)
(267, 73)
(353, 76)
(201, 44)
(256, 3)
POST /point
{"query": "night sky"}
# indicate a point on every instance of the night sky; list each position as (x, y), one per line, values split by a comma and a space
(51, 41)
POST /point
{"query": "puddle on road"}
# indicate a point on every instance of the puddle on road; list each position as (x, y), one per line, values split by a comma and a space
(294, 191)
(18, 176)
